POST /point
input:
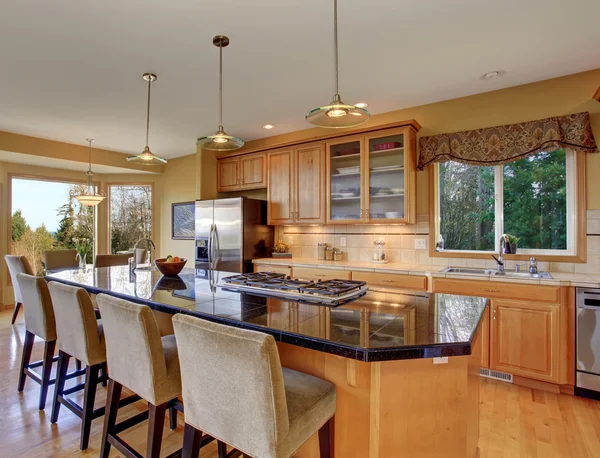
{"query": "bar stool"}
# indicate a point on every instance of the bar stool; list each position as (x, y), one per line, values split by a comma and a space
(80, 336)
(235, 390)
(17, 265)
(60, 259)
(39, 321)
(109, 260)
(143, 362)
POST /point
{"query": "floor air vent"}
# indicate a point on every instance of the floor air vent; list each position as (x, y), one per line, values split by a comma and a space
(496, 375)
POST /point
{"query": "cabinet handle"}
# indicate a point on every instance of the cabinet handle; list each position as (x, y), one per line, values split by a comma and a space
(367, 215)
(490, 290)
(387, 281)
(320, 275)
(494, 314)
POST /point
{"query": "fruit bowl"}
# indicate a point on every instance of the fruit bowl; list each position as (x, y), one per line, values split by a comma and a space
(170, 269)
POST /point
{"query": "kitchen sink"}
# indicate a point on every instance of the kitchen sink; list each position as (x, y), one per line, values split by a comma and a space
(506, 273)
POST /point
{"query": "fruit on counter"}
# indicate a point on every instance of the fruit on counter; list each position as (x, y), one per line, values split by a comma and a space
(170, 258)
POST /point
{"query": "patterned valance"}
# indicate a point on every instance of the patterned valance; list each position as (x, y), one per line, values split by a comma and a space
(502, 144)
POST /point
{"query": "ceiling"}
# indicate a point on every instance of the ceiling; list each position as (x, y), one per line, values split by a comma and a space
(72, 69)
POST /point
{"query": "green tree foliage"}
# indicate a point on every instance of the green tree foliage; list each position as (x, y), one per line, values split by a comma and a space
(19, 226)
(32, 244)
(66, 226)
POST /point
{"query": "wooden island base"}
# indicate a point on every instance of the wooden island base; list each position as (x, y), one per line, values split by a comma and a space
(393, 409)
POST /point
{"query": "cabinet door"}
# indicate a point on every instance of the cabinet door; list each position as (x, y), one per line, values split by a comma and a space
(388, 177)
(254, 171)
(280, 193)
(524, 339)
(344, 180)
(228, 175)
(310, 184)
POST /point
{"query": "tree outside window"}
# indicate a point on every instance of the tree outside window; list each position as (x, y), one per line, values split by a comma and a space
(130, 215)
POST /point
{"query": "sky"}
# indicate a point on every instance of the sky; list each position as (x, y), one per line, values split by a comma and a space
(39, 201)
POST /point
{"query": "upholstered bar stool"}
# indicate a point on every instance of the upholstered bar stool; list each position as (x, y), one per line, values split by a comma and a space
(143, 362)
(80, 336)
(235, 390)
(39, 321)
(110, 260)
(60, 259)
(17, 265)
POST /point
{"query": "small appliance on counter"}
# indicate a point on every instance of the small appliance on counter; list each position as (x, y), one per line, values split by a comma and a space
(230, 233)
(379, 252)
(587, 375)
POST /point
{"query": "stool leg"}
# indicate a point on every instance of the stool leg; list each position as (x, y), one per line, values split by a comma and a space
(172, 418)
(325, 439)
(89, 396)
(156, 421)
(110, 415)
(104, 373)
(221, 449)
(77, 365)
(59, 386)
(15, 312)
(49, 348)
(26, 358)
(191, 442)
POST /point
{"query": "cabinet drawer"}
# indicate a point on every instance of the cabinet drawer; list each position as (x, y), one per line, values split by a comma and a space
(392, 280)
(306, 273)
(489, 289)
(286, 270)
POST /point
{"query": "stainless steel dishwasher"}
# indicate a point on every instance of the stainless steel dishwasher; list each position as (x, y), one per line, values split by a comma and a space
(587, 382)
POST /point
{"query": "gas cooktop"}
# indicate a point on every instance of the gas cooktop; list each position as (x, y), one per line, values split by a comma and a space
(327, 292)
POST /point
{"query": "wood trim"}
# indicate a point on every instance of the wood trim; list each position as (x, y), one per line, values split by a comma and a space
(580, 234)
(597, 95)
(536, 384)
(327, 134)
(568, 320)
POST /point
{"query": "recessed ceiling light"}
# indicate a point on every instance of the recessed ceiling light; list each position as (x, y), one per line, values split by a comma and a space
(268, 126)
(492, 75)
(361, 105)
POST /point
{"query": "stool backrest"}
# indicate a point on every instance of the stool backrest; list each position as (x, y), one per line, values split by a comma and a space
(60, 259)
(17, 265)
(37, 306)
(134, 350)
(232, 384)
(76, 324)
(109, 260)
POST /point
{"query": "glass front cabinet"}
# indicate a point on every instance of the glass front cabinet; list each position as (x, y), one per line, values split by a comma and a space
(371, 178)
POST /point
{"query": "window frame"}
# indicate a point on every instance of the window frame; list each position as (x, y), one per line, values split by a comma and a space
(576, 214)
(109, 186)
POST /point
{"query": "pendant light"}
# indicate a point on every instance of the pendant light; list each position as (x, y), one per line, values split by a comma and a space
(147, 157)
(220, 140)
(337, 114)
(89, 196)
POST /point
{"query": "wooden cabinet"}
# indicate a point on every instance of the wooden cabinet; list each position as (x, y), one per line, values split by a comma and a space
(308, 273)
(384, 281)
(525, 339)
(484, 338)
(501, 290)
(296, 185)
(242, 172)
(371, 178)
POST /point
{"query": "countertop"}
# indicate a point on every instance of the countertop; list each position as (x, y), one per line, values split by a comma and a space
(558, 278)
(376, 327)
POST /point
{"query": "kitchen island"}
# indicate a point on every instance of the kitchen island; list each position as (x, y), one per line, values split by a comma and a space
(393, 398)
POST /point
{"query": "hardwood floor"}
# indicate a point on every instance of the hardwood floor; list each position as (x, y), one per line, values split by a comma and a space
(515, 421)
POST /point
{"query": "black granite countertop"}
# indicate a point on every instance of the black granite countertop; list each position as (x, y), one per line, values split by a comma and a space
(376, 327)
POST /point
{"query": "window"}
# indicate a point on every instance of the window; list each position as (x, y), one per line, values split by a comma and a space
(533, 199)
(130, 215)
(46, 216)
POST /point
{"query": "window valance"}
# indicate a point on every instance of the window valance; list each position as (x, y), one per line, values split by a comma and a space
(503, 144)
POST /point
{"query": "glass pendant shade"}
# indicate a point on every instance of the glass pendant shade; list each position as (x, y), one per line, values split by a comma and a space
(89, 196)
(337, 114)
(147, 157)
(220, 140)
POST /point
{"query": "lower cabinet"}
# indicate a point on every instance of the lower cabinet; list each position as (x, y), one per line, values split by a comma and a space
(308, 273)
(524, 339)
(384, 281)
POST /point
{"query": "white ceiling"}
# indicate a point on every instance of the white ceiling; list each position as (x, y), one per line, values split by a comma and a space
(72, 69)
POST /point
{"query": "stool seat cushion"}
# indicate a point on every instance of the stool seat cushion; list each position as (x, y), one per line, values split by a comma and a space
(310, 402)
(37, 307)
(172, 387)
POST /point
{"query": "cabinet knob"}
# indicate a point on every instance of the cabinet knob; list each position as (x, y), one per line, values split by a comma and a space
(494, 313)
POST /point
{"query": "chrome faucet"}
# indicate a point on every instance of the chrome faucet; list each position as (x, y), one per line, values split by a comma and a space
(533, 268)
(500, 258)
(152, 246)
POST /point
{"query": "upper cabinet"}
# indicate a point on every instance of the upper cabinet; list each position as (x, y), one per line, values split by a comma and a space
(296, 192)
(371, 178)
(242, 172)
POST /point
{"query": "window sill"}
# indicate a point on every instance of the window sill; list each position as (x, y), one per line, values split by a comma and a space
(508, 257)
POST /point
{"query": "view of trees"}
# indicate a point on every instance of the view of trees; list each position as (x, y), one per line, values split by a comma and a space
(130, 216)
(535, 203)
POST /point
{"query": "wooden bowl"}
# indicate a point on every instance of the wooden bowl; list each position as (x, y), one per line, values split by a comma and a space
(169, 269)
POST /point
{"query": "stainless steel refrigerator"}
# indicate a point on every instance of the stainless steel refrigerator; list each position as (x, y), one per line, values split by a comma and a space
(230, 233)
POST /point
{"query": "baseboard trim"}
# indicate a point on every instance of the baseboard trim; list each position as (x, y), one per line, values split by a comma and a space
(536, 384)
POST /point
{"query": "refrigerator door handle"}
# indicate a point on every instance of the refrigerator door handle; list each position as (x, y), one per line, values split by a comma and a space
(210, 246)
(215, 247)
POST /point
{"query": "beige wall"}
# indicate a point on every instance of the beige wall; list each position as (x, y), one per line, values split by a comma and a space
(555, 97)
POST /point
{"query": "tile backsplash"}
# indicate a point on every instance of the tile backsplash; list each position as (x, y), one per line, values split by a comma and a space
(400, 244)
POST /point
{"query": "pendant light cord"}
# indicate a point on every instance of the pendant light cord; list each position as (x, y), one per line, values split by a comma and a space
(335, 43)
(220, 85)
(148, 112)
